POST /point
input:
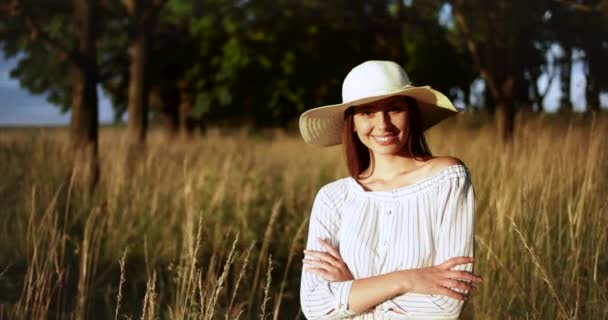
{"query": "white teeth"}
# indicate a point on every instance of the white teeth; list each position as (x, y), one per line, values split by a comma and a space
(384, 139)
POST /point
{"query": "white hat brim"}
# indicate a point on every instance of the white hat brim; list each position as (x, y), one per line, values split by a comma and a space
(323, 126)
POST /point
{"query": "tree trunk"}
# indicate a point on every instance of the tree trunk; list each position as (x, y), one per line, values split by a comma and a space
(521, 91)
(505, 117)
(592, 95)
(592, 88)
(83, 123)
(506, 108)
(565, 103)
(489, 102)
(140, 12)
(138, 100)
(170, 114)
(185, 107)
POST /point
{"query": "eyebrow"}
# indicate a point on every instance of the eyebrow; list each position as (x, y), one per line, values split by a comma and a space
(373, 107)
(401, 103)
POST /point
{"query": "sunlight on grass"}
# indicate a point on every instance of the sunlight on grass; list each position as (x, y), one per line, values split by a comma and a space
(214, 228)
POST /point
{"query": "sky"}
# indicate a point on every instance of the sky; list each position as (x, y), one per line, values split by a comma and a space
(20, 108)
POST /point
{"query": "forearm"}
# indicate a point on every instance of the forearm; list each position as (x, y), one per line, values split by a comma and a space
(366, 293)
(429, 284)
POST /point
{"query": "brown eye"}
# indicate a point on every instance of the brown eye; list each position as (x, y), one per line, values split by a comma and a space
(365, 112)
(396, 109)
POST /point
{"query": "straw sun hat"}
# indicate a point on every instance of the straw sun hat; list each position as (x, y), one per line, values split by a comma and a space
(368, 82)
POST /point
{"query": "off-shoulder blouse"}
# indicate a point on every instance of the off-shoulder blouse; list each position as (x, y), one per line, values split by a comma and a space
(378, 232)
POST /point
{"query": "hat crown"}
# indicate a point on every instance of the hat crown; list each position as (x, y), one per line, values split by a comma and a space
(373, 78)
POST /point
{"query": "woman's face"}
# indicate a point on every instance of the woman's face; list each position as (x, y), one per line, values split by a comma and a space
(382, 126)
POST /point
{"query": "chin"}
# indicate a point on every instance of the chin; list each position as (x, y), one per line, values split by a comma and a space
(387, 150)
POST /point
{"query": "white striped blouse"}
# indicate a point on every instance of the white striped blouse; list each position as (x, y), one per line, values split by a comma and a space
(378, 232)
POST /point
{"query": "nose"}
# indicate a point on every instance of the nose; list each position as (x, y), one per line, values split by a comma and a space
(382, 120)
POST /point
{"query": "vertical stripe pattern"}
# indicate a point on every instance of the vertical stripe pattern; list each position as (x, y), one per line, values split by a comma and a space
(378, 232)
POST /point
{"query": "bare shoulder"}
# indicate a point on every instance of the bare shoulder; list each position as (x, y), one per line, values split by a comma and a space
(439, 163)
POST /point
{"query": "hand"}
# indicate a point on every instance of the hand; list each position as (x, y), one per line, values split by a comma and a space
(441, 279)
(328, 265)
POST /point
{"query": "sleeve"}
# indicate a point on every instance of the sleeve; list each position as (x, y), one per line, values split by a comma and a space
(319, 298)
(453, 238)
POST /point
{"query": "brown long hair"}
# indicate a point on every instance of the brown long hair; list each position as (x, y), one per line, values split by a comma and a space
(357, 154)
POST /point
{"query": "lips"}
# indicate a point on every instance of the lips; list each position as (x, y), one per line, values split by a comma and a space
(385, 139)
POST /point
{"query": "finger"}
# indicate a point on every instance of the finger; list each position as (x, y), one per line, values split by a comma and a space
(319, 264)
(463, 275)
(452, 262)
(455, 284)
(323, 256)
(321, 273)
(319, 254)
(450, 293)
(330, 249)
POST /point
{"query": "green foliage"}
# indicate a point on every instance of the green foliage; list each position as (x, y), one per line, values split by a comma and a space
(41, 35)
(267, 61)
(55, 85)
(41, 69)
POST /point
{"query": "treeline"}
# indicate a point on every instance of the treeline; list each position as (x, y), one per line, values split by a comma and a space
(261, 63)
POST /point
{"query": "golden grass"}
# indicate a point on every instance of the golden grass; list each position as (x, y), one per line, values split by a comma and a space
(201, 220)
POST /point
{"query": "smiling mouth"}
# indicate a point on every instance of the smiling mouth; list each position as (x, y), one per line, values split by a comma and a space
(385, 139)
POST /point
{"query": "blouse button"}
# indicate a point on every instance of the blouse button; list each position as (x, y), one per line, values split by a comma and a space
(389, 212)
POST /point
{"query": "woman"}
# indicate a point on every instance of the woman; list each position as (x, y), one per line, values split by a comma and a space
(395, 239)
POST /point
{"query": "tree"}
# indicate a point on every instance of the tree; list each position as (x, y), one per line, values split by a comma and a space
(581, 26)
(433, 54)
(143, 16)
(595, 46)
(33, 30)
(501, 42)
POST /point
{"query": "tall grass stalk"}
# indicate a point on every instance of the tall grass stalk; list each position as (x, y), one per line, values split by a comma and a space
(540, 228)
(121, 283)
(230, 311)
(295, 244)
(263, 252)
(266, 296)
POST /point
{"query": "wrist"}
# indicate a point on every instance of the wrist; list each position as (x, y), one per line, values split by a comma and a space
(403, 281)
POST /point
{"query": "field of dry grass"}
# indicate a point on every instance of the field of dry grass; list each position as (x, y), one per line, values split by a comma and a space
(213, 229)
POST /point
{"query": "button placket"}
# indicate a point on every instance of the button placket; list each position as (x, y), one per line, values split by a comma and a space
(388, 212)
(386, 228)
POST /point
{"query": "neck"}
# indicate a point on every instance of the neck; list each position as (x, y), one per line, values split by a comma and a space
(387, 166)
